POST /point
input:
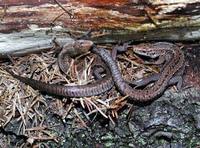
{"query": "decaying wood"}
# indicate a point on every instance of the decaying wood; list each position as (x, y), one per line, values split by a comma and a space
(31, 41)
(116, 20)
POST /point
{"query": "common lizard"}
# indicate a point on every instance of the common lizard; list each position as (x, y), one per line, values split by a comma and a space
(98, 87)
(175, 62)
(164, 57)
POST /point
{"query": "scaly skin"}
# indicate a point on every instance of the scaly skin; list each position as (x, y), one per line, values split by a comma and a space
(164, 56)
(175, 63)
(72, 50)
(96, 88)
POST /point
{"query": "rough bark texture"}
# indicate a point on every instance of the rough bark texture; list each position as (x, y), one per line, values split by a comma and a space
(31, 41)
(117, 20)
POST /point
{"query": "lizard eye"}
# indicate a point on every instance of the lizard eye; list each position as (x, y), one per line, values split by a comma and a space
(81, 44)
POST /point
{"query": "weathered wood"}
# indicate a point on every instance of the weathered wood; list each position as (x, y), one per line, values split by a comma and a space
(162, 34)
(112, 21)
(21, 43)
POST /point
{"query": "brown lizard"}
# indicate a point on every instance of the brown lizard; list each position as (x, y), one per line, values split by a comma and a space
(163, 57)
(172, 54)
(98, 87)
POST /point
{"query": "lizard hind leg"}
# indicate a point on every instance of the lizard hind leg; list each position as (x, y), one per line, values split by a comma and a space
(64, 62)
(176, 79)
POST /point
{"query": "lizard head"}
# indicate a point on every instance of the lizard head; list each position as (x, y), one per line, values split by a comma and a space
(77, 47)
(83, 45)
(150, 50)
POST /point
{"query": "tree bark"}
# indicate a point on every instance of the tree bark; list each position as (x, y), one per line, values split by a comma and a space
(110, 21)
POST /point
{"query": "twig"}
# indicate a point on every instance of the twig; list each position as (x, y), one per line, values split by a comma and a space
(5, 8)
(10, 58)
(138, 64)
(57, 18)
(77, 114)
(32, 139)
(150, 17)
(97, 108)
(40, 128)
(60, 5)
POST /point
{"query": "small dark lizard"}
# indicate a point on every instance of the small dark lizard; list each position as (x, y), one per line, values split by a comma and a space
(175, 62)
(164, 56)
(72, 50)
(98, 87)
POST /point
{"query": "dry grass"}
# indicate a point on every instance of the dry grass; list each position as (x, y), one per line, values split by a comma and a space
(29, 108)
